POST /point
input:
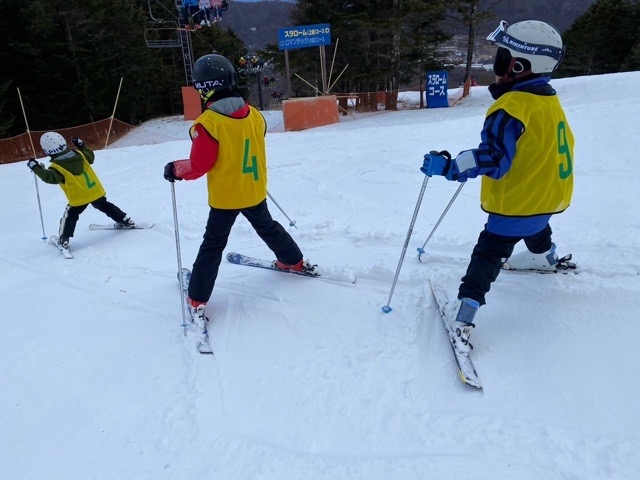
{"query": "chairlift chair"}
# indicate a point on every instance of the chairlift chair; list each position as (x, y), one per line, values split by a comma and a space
(162, 34)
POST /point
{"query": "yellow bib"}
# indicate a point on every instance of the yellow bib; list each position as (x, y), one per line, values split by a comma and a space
(80, 189)
(239, 177)
(540, 180)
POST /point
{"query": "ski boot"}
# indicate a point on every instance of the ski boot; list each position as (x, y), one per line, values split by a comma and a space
(126, 222)
(302, 266)
(63, 242)
(543, 262)
(462, 312)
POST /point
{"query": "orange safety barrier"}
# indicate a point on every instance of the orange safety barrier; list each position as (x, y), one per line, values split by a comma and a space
(94, 134)
(303, 113)
(192, 103)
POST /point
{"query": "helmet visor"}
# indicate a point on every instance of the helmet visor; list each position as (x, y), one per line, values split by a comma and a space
(502, 38)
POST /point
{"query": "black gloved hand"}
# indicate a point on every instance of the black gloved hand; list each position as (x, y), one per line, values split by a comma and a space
(77, 142)
(32, 163)
(170, 172)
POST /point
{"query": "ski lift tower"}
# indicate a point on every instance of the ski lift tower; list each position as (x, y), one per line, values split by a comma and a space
(160, 33)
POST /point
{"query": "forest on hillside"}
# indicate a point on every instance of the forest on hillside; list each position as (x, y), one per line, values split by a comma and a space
(68, 59)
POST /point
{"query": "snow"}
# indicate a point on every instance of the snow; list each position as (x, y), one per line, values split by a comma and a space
(310, 379)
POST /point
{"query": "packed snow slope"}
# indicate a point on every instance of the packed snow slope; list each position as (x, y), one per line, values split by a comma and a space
(310, 379)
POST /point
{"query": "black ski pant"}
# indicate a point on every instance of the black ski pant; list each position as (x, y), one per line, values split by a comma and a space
(488, 256)
(72, 214)
(205, 267)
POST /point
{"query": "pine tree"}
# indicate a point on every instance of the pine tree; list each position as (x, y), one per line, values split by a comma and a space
(381, 44)
(602, 39)
(68, 58)
(5, 121)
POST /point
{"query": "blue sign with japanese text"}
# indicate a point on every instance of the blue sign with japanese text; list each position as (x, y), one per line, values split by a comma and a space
(305, 36)
(436, 89)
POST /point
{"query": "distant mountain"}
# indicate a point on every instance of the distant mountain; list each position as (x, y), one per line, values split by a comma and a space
(559, 13)
(257, 22)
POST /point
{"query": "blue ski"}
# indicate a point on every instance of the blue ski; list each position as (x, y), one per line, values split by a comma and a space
(311, 271)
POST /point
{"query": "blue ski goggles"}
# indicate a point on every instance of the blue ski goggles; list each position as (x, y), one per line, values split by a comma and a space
(502, 38)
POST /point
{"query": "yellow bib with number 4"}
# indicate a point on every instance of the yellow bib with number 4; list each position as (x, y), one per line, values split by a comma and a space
(239, 177)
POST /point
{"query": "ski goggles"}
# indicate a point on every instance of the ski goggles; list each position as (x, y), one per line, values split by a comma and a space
(503, 39)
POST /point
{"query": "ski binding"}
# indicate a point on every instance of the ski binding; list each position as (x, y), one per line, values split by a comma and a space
(117, 226)
(66, 253)
(198, 318)
(466, 369)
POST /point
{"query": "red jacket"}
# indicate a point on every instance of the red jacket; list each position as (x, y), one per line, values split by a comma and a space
(204, 151)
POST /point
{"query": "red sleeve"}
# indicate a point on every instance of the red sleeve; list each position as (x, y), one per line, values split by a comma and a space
(203, 156)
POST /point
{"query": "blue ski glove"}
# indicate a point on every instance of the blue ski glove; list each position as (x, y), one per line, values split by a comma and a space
(436, 163)
(440, 163)
(33, 163)
(170, 172)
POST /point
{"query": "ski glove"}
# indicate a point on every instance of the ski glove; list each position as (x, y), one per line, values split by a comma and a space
(440, 163)
(436, 163)
(170, 172)
(33, 163)
(77, 142)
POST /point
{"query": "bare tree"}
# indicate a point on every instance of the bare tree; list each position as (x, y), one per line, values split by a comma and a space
(469, 13)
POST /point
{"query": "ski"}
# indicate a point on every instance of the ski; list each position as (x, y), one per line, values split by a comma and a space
(66, 253)
(240, 259)
(564, 266)
(466, 369)
(198, 318)
(117, 226)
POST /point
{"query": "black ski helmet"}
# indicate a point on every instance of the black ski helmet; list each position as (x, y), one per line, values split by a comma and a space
(213, 73)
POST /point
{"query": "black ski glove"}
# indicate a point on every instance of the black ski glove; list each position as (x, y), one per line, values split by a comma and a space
(77, 142)
(170, 172)
(33, 163)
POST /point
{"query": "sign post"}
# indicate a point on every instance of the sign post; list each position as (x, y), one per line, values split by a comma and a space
(303, 37)
(436, 91)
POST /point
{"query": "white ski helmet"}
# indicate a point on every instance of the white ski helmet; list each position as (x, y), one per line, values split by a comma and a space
(532, 40)
(52, 143)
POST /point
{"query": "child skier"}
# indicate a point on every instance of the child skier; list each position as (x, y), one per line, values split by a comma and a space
(72, 171)
(526, 160)
(228, 146)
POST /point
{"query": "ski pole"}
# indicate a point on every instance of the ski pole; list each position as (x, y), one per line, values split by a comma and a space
(44, 236)
(421, 249)
(183, 305)
(26, 122)
(292, 223)
(386, 308)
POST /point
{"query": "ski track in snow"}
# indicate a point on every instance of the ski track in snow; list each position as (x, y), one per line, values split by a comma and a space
(309, 378)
